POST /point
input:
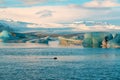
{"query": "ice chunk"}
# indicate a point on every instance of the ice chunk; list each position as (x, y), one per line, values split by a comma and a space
(115, 43)
(4, 34)
(94, 39)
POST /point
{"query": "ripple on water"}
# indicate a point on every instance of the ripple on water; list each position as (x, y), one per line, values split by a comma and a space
(71, 64)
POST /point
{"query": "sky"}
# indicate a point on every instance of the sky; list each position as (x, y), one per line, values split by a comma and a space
(23, 3)
(57, 13)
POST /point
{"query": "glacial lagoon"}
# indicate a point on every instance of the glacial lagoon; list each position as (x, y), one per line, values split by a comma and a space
(37, 63)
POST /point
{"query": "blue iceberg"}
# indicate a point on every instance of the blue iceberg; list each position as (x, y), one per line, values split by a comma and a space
(94, 39)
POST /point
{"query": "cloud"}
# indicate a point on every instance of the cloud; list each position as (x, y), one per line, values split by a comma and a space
(80, 26)
(46, 25)
(102, 3)
(58, 14)
(62, 17)
(45, 13)
(96, 26)
(32, 2)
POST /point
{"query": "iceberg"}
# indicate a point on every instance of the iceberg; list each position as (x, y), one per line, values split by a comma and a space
(115, 42)
(4, 36)
(95, 39)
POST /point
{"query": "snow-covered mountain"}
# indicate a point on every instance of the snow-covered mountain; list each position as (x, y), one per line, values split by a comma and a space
(81, 26)
(16, 26)
(94, 26)
(19, 26)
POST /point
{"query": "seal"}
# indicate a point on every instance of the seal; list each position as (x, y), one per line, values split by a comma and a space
(55, 58)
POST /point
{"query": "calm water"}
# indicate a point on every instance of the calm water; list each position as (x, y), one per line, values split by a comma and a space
(72, 64)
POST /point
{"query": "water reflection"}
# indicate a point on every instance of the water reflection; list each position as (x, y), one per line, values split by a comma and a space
(21, 45)
(36, 58)
(35, 45)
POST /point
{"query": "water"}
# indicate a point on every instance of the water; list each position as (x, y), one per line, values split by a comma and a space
(72, 64)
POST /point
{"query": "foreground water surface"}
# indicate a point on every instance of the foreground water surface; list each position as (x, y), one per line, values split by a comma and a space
(72, 64)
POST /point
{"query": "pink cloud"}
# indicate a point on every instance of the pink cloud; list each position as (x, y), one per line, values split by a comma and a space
(102, 3)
